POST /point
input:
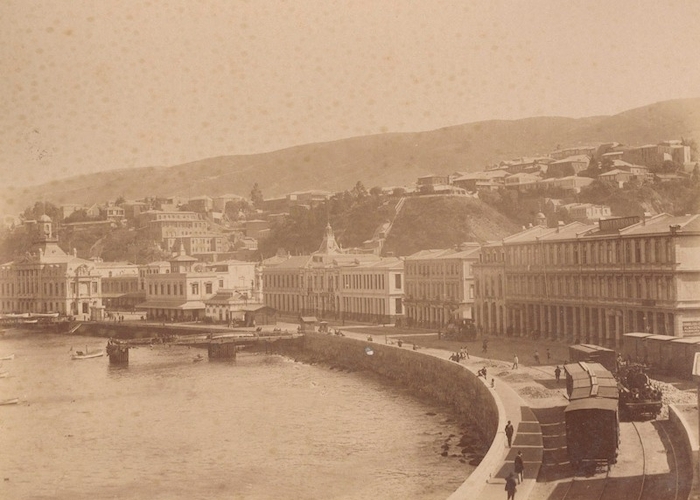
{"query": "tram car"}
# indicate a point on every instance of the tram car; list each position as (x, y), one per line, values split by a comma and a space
(592, 420)
(593, 353)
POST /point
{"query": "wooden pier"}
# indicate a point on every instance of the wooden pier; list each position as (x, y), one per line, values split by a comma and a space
(219, 346)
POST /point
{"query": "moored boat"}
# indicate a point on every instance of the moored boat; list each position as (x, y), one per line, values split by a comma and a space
(87, 355)
(8, 357)
(11, 401)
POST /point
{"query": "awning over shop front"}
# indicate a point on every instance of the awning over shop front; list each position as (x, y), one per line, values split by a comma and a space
(165, 304)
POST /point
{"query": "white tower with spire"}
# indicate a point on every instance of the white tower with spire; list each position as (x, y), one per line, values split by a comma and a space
(329, 245)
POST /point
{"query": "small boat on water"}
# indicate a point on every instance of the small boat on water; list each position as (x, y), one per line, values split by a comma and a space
(12, 401)
(198, 358)
(86, 354)
(7, 358)
(4, 374)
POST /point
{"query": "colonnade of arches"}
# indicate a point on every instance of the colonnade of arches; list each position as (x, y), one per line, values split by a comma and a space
(575, 324)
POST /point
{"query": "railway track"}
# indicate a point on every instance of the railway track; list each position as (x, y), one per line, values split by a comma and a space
(649, 466)
(646, 485)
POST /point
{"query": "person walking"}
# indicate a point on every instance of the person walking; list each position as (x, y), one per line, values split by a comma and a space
(549, 355)
(515, 362)
(509, 433)
(519, 466)
(557, 373)
(537, 356)
(511, 487)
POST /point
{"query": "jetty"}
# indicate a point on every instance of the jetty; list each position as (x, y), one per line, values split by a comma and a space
(219, 345)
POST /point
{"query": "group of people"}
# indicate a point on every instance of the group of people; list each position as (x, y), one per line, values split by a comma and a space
(463, 353)
(515, 477)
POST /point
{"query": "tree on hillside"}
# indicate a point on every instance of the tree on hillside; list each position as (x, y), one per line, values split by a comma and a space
(375, 191)
(120, 200)
(695, 176)
(359, 191)
(79, 216)
(43, 208)
(667, 167)
(256, 196)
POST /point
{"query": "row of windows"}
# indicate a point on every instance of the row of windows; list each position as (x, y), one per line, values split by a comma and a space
(32, 306)
(437, 291)
(637, 251)
(49, 288)
(412, 269)
(620, 287)
(174, 288)
(119, 286)
(319, 282)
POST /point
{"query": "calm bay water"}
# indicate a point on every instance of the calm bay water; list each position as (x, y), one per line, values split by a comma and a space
(165, 427)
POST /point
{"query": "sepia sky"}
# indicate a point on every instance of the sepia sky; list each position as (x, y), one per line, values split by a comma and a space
(96, 85)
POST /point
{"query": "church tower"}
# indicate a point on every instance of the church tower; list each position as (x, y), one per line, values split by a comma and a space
(329, 245)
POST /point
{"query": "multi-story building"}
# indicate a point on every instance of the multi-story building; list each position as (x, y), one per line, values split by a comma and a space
(120, 285)
(182, 291)
(334, 284)
(585, 212)
(593, 283)
(49, 280)
(560, 154)
(568, 166)
(173, 228)
(440, 285)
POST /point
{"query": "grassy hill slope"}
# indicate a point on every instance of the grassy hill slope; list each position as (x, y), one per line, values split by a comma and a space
(442, 222)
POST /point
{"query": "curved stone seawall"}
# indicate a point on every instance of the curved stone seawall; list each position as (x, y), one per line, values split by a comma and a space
(444, 381)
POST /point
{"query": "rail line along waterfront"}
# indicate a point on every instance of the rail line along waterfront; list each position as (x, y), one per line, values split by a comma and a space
(260, 427)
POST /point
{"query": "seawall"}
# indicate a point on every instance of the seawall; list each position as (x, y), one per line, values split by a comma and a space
(443, 381)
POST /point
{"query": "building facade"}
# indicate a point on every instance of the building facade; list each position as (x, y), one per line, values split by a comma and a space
(181, 292)
(333, 284)
(120, 285)
(440, 286)
(593, 283)
(48, 280)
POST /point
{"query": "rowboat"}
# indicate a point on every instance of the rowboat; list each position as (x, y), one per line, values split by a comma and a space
(7, 358)
(12, 401)
(87, 355)
(4, 374)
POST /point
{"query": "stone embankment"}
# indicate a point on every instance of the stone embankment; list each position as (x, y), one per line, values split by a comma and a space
(441, 380)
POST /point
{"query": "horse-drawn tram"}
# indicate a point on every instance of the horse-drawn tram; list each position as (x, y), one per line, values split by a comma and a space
(592, 422)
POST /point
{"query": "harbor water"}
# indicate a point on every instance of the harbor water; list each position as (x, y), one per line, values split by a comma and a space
(166, 427)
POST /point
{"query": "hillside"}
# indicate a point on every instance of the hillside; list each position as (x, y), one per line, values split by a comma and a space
(442, 222)
(377, 160)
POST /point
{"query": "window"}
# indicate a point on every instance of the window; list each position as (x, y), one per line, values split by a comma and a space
(208, 287)
(397, 281)
(399, 306)
(195, 288)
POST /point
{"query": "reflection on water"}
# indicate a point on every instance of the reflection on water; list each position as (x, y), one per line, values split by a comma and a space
(167, 427)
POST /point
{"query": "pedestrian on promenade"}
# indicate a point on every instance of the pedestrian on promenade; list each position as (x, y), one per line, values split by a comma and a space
(485, 346)
(537, 356)
(509, 433)
(511, 487)
(549, 354)
(557, 373)
(519, 466)
(515, 362)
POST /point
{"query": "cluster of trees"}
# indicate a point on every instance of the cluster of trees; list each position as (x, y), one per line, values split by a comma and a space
(354, 215)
